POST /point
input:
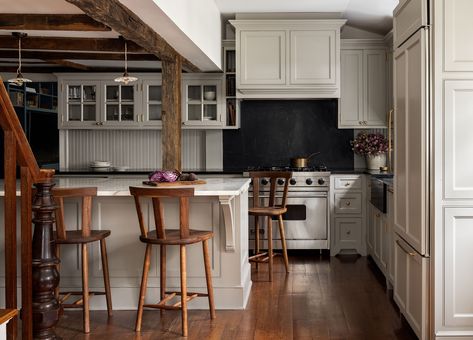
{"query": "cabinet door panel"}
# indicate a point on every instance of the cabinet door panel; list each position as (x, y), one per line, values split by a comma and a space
(375, 87)
(262, 58)
(351, 90)
(409, 15)
(411, 141)
(457, 30)
(313, 57)
(457, 274)
(458, 121)
(400, 275)
(348, 233)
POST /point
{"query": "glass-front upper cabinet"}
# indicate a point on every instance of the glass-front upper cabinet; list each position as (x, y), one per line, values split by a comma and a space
(202, 102)
(152, 103)
(120, 105)
(81, 104)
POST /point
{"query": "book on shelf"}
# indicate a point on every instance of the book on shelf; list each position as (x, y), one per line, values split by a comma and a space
(231, 113)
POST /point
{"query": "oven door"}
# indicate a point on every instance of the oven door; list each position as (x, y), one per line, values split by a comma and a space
(306, 217)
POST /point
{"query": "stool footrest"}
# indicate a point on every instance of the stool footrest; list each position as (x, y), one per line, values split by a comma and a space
(63, 296)
(261, 257)
(169, 296)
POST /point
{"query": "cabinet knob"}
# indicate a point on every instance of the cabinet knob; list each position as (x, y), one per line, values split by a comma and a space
(349, 232)
(347, 184)
(378, 215)
(360, 122)
(348, 203)
(98, 123)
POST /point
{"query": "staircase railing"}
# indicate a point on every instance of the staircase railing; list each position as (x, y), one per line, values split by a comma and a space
(39, 277)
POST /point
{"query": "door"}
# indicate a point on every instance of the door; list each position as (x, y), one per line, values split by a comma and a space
(375, 88)
(120, 104)
(313, 57)
(351, 89)
(370, 239)
(80, 102)
(262, 58)
(400, 274)
(411, 141)
(202, 102)
(347, 233)
(151, 114)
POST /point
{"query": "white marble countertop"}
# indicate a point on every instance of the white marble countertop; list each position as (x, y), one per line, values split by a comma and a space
(119, 185)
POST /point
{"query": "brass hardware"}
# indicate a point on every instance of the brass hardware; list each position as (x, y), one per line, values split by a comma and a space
(347, 184)
(391, 190)
(390, 128)
(348, 203)
(406, 251)
(378, 215)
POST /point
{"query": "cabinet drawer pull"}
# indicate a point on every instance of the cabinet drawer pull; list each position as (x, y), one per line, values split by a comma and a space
(410, 253)
(348, 203)
(347, 184)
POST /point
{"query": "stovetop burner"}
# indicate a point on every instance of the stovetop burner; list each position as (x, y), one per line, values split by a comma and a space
(318, 168)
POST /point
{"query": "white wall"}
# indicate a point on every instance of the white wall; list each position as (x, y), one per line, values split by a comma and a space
(192, 27)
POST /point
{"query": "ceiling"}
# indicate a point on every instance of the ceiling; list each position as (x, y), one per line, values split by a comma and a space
(370, 15)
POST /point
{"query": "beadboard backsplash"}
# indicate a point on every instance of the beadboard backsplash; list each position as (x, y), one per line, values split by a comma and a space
(137, 149)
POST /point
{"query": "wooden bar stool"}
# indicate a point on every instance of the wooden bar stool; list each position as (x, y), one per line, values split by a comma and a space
(272, 210)
(163, 237)
(82, 237)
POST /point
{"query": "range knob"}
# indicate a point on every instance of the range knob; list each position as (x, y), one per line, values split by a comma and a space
(264, 181)
(280, 181)
(308, 181)
(321, 181)
(292, 181)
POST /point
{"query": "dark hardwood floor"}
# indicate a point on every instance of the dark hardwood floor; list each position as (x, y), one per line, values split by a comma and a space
(322, 298)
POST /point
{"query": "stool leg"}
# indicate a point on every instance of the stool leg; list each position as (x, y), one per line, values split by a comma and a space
(85, 288)
(144, 282)
(162, 276)
(57, 252)
(208, 277)
(256, 238)
(106, 276)
(270, 248)
(283, 241)
(183, 290)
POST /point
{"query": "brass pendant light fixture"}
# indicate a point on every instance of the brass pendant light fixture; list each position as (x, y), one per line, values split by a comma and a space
(125, 78)
(20, 79)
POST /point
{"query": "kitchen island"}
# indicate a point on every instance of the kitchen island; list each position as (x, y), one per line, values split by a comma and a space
(221, 205)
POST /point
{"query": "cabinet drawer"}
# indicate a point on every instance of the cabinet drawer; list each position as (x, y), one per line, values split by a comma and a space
(348, 203)
(348, 232)
(347, 183)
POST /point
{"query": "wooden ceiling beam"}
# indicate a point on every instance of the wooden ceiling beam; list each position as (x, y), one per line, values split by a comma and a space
(69, 44)
(70, 64)
(118, 17)
(53, 22)
(43, 55)
(53, 69)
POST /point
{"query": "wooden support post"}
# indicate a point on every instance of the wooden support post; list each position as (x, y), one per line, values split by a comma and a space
(26, 256)
(171, 103)
(10, 230)
(46, 308)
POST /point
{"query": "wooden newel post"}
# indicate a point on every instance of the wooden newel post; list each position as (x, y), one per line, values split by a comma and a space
(46, 307)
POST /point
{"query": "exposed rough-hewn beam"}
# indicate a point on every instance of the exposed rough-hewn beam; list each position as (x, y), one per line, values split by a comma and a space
(75, 55)
(68, 44)
(52, 69)
(171, 113)
(70, 64)
(56, 22)
(117, 16)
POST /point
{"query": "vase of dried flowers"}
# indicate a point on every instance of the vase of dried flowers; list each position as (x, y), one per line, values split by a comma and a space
(373, 146)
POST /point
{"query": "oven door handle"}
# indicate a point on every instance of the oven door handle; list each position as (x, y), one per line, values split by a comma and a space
(322, 194)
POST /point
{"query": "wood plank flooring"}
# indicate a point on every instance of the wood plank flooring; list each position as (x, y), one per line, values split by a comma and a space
(321, 298)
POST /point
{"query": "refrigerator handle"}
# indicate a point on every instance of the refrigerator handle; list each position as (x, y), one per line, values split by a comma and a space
(410, 253)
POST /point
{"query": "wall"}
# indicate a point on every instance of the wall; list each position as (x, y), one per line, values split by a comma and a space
(274, 131)
(138, 149)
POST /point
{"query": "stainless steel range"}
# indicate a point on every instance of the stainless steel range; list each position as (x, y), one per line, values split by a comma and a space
(307, 218)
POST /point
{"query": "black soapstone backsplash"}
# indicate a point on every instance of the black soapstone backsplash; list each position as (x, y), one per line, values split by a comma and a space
(273, 131)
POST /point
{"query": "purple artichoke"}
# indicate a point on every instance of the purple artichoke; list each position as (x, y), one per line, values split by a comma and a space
(164, 176)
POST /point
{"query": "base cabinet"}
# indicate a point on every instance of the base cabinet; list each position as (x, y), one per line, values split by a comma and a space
(411, 290)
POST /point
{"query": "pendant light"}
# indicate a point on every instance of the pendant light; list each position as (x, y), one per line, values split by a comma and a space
(19, 80)
(125, 78)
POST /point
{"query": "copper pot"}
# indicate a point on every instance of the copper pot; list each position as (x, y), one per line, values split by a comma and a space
(302, 162)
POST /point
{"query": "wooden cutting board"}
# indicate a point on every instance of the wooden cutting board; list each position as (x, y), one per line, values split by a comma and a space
(174, 184)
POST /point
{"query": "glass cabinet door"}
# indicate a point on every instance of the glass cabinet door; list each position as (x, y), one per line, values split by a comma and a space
(81, 103)
(119, 103)
(152, 102)
(201, 103)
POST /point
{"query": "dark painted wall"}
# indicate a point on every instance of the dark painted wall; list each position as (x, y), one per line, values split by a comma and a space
(273, 131)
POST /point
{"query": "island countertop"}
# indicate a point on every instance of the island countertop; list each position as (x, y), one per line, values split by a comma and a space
(119, 185)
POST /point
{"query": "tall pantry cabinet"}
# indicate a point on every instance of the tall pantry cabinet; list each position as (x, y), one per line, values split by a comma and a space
(433, 99)
(453, 175)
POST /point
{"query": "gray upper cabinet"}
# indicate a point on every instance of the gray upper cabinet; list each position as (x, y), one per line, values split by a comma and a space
(364, 91)
(288, 58)
(263, 56)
